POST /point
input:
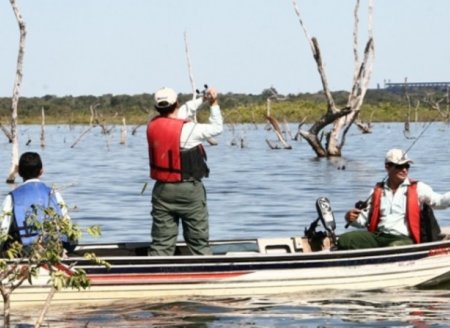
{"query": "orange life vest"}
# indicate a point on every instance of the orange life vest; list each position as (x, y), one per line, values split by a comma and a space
(168, 162)
(412, 210)
(163, 136)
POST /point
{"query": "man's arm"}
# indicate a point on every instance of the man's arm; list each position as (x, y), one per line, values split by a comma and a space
(434, 199)
(189, 109)
(359, 217)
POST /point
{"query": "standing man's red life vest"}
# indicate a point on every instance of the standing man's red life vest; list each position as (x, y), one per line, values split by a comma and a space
(412, 210)
(163, 136)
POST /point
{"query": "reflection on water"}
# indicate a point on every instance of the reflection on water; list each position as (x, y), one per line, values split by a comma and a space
(252, 192)
(399, 308)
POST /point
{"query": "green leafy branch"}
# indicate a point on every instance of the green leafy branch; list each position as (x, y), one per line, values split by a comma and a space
(22, 264)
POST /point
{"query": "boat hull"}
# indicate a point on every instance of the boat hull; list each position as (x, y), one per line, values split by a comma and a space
(247, 273)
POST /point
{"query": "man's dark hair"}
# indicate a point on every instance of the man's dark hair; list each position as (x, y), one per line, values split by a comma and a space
(30, 165)
(166, 110)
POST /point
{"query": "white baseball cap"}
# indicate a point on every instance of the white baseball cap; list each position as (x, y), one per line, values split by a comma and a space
(397, 156)
(165, 97)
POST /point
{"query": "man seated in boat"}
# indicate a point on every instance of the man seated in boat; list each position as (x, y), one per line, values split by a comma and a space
(392, 214)
(30, 199)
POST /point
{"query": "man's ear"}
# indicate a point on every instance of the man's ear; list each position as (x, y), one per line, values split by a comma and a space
(41, 172)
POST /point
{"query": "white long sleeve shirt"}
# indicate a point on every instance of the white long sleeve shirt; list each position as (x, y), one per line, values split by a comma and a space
(194, 133)
(393, 207)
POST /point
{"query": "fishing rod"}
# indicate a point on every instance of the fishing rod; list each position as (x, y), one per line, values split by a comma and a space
(362, 204)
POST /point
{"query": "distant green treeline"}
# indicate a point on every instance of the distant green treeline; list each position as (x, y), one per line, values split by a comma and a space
(380, 105)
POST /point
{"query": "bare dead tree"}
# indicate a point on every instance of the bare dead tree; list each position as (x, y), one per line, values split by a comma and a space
(42, 128)
(363, 127)
(340, 118)
(93, 114)
(274, 123)
(407, 124)
(134, 130)
(89, 128)
(299, 129)
(6, 132)
(435, 104)
(95, 120)
(85, 131)
(287, 130)
(16, 95)
(123, 132)
(239, 140)
(100, 120)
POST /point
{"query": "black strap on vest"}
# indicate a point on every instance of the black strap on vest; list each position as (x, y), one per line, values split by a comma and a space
(193, 163)
(429, 227)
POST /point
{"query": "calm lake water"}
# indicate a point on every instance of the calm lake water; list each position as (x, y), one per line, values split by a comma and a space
(253, 191)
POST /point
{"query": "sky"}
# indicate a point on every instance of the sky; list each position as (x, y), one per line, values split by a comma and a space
(97, 47)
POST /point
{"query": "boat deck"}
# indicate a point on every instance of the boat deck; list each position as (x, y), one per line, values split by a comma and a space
(245, 247)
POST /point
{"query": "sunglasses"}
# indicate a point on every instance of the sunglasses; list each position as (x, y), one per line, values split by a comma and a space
(399, 166)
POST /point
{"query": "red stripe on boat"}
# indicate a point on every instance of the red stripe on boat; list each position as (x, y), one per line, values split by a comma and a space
(159, 276)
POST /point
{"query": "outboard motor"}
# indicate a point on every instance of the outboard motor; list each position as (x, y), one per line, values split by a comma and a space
(326, 215)
(326, 219)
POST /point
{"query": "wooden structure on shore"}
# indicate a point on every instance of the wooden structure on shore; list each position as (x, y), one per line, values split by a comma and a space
(396, 87)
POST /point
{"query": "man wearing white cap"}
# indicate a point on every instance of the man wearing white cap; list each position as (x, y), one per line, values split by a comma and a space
(178, 164)
(393, 212)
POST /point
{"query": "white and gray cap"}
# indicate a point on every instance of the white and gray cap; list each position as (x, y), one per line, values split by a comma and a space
(165, 97)
(397, 156)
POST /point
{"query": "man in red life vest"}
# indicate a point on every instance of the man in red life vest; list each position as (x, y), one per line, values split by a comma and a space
(178, 164)
(392, 215)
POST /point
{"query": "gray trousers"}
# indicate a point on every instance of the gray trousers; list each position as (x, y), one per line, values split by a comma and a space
(172, 202)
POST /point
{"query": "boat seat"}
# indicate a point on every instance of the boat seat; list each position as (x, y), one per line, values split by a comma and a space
(250, 253)
(445, 231)
(279, 245)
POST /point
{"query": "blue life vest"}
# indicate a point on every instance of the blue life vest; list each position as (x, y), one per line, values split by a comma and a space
(31, 198)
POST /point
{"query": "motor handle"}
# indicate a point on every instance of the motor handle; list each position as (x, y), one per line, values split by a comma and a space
(360, 205)
(326, 215)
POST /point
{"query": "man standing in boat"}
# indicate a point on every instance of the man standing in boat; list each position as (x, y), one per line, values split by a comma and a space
(178, 164)
(393, 211)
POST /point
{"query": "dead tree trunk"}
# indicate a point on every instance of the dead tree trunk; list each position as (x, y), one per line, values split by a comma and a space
(435, 104)
(6, 132)
(16, 94)
(340, 118)
(89, 128)
(275, 125)
(43, 128)
(123, 132)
